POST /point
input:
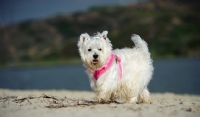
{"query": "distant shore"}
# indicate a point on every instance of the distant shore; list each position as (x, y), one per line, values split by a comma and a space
(30, 64)
(62, 103)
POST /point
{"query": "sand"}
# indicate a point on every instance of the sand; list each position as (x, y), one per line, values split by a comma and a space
(65, 103)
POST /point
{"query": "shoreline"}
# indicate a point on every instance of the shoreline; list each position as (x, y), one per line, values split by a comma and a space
(74, 62)
(51, 103)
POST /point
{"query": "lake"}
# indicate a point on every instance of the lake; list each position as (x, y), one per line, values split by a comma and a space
(180, 76)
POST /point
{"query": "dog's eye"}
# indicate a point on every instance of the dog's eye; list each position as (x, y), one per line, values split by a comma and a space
(99, 49)
(89, 50)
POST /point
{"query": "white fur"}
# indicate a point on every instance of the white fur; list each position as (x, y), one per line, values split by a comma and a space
(136, 64)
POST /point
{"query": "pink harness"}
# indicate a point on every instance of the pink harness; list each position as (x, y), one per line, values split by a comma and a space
(113, 58)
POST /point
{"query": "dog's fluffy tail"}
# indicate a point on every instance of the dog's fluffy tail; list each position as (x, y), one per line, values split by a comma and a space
(139, 42)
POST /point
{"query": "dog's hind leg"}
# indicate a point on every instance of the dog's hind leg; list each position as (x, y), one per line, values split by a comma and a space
(144, 96)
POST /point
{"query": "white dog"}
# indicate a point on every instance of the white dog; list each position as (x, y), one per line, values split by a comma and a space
(121, 74)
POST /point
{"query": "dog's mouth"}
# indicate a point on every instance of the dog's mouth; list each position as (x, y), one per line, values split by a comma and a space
(95, 62)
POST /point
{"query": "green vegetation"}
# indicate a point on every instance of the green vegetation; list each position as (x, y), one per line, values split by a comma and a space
(170, 28)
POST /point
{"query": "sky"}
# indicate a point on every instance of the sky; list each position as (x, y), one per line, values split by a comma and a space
(14, 11)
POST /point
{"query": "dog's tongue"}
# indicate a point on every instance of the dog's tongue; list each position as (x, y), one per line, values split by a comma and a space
(95, 62)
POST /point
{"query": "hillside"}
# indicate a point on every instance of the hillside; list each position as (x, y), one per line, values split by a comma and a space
(170, 28)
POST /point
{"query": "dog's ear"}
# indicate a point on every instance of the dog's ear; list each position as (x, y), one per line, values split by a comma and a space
(104, 34)
(83, 38)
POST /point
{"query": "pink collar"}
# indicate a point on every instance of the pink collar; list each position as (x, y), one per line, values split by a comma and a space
(100, 72)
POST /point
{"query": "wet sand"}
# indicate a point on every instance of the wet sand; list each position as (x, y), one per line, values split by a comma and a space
(65, 103)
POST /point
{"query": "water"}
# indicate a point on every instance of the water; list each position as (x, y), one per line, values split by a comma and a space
(177, 76)
(60, 77)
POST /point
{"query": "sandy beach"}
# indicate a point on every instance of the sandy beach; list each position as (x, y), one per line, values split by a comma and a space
(65, 103)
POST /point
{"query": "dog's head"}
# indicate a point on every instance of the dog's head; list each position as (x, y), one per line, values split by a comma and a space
(94, 50)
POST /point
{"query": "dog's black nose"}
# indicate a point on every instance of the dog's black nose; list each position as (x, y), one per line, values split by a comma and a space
(95, 56)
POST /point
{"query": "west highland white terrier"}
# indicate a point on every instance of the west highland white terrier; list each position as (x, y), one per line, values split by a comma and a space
(116, 75)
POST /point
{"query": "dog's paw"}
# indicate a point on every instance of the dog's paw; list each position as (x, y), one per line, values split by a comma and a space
(133, 100)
